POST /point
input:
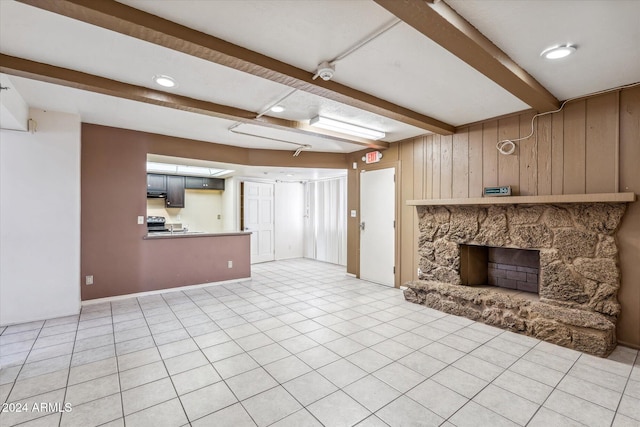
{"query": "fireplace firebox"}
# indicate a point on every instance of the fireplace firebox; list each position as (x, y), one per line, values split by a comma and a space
(510, 268)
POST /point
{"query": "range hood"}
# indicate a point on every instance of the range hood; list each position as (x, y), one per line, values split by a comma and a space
(156, 194)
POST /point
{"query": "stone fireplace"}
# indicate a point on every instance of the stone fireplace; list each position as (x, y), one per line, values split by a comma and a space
(571, 262)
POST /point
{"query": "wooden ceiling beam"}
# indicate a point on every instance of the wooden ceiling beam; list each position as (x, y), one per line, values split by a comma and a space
(65, 77)
(447, 28)
(133, 22)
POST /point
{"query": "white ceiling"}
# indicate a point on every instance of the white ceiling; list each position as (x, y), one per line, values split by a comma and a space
(401, 66)
(606, 32)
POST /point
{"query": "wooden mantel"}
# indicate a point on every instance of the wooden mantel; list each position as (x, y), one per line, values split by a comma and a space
(529, 200)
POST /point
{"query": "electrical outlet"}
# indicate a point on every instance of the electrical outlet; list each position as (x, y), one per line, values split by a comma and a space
(88, 280)
(140, 219)
(419, 272)
(229, 264)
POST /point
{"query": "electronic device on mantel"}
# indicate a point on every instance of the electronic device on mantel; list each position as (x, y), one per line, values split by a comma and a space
(504, 190)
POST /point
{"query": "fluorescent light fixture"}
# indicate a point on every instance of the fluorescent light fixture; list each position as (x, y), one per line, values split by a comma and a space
(558, 51)
(222, 172)
(194, 170)
(348, 128)
(161, 167)
(167, 168)
(277, 108)
(164, 81)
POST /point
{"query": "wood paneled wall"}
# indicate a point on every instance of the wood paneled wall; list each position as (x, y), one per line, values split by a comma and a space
(591, 146)
(571, 152)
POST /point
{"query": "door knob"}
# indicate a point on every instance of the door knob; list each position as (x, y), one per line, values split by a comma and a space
(362, 226)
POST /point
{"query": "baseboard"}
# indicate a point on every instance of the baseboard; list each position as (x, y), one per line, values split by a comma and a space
(43, 319)
(630, 345)
(161, 291)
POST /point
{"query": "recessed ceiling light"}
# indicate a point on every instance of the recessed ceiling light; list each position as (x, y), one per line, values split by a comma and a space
(164, 81)
(559, 51)
(277, 108)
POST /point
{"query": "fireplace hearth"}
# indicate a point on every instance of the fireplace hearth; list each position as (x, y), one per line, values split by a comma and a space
(570, 257)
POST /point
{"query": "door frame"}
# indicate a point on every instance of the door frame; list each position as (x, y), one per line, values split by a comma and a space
(396, 165)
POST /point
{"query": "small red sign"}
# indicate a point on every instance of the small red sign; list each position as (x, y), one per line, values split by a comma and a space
(373, 157)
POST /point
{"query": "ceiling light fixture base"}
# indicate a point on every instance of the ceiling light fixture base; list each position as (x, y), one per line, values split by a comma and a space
(325, 71)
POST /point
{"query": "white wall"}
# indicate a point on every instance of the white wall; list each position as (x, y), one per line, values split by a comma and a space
(289, 220)
(40, 219)
(230, 205)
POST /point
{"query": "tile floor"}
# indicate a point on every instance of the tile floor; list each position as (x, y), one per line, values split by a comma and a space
(301, 344)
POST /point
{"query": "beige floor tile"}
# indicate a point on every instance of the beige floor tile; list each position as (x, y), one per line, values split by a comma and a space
(167, 414)
(231, 416)
(142, 375)
(188, 381)
(207, 400)
(300, 344)
(92, 390)
(139, 398)
(94, 413)
(39, 385)
(437, 398)
(404, 411)
(309, 387)
(271, 406)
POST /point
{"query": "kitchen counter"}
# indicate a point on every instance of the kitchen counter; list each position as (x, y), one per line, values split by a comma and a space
(182, 259)
(182, 234)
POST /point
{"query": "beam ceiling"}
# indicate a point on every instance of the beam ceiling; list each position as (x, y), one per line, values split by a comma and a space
(132, 22)
(444, 26)
(78, 80)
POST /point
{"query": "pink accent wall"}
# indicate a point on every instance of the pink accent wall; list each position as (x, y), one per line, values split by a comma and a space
(113, 195)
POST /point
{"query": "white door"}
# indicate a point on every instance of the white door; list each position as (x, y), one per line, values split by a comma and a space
(258, 218)
(377, 226)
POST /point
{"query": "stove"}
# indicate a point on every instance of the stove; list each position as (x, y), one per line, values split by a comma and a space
(156, 224)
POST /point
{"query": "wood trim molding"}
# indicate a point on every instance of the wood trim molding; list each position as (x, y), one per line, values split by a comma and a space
(132, 22)
(529, 200)
(65, 77)
(444, 26)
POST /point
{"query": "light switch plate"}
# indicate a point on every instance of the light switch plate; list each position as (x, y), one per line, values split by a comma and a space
(140, 219)
(353, 213)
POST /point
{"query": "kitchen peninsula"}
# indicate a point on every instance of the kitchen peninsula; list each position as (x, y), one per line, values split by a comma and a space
(182, 259)
(182, 234)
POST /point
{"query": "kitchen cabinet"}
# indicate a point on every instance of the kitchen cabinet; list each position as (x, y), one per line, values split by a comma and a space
(175, 191)
(156, 182)
(201, 183)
